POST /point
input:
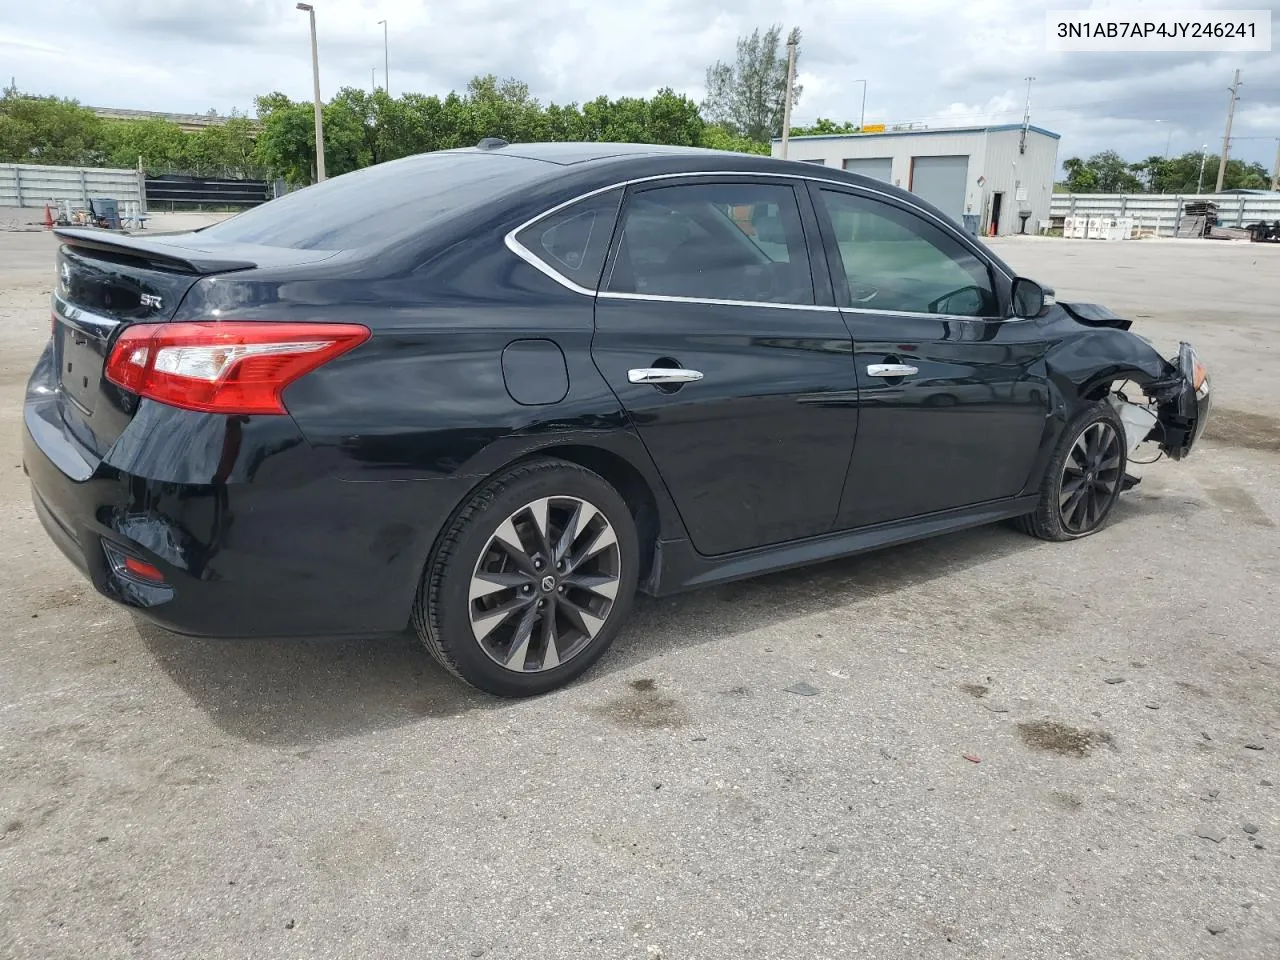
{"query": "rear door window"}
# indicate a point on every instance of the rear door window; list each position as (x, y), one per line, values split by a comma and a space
(721, 241)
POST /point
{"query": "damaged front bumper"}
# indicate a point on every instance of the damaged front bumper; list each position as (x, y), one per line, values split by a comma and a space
(1183, 401)
(1178, 391)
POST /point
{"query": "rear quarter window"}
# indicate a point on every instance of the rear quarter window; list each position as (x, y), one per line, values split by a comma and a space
(574, 241)
(379, 204)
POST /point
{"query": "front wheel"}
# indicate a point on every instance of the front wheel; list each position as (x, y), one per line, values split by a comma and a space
(532, 581)
(1084, 477)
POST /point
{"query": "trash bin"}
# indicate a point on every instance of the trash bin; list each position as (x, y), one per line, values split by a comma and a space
(971, 224)
(106, 212)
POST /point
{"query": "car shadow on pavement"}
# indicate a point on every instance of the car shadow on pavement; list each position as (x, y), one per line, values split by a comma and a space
(288, 691)
(721, 612)
(292, 692)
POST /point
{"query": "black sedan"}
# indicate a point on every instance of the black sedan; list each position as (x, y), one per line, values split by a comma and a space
(492, 392)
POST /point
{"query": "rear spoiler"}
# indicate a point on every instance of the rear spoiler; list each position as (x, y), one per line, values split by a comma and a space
(156, 253)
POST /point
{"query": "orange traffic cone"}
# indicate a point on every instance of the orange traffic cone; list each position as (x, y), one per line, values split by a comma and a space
(48, 217)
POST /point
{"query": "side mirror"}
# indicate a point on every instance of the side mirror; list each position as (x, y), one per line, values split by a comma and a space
(1029, 299)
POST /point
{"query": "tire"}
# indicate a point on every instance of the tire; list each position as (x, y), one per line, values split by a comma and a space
(1080, 489)
(492, 591)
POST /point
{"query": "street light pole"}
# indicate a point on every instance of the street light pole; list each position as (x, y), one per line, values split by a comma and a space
(315, 76)
(862, 116)
(1167, 140)
(386, 60)
(786, 103)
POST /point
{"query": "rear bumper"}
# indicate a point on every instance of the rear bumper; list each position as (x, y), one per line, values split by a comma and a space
(288, 551)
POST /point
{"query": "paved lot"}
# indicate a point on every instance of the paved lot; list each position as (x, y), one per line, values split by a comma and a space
(162, 797)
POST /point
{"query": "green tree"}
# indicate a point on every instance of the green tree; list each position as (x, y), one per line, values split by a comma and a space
(500, 108)
(1155, 170)
(1104, 172)
(346, 133)
(720, 138)
(158, 144)
(825, 127)
(225, 149)
(672, 118)
(747, 96)
(1113, 173)
(1080, 176)
(286, 142)
(48, 130)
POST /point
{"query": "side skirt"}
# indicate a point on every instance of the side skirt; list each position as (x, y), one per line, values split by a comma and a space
(678, 567)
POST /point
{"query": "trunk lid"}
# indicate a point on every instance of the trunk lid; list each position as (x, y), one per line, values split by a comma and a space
(97, 294)
(106, 282)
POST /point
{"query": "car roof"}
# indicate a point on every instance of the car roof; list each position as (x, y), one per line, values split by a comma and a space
(585, 152)
(570, 161)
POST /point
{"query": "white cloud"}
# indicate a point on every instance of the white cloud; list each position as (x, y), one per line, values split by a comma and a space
(935, 61)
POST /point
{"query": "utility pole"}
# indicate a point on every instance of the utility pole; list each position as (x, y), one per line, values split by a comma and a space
(386, 60)
(1226, 137)
(1204, 153)
(315, 76)
(1275, 171)
(1026, 119)
(786, 102)
(862, 117)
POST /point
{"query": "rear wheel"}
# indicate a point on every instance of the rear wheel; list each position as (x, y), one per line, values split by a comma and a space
(1084, 478)
(532, 581)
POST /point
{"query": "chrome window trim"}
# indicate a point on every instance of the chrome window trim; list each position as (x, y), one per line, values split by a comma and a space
(527, 255)
(663, 298)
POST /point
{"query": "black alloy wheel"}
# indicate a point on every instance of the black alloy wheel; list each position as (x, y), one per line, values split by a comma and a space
(545, 584)
(532, 580)
(1084, 478)
(1091, 477)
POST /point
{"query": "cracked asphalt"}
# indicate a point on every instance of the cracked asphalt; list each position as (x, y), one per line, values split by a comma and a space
(1015, 749)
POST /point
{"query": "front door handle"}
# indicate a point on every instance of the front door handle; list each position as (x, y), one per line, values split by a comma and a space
(663, 375)
(891, 370)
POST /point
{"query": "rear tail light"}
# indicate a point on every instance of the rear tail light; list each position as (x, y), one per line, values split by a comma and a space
(229, 367)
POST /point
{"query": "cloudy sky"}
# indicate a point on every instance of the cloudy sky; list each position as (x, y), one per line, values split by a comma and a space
(938, 62)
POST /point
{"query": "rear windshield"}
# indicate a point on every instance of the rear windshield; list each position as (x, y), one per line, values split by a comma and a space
(379, 203)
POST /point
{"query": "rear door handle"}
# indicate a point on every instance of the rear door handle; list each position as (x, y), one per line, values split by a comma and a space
(663, 375)
(891, 370)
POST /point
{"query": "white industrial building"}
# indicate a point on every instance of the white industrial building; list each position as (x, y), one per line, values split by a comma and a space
(984, 177)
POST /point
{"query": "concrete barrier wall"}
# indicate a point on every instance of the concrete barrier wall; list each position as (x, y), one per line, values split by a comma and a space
(34, 185)
(1161, 212)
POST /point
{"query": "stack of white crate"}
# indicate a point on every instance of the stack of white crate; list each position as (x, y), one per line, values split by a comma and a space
(1097, 228)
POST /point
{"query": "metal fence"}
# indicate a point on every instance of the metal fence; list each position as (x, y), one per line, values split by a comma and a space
(176, 191)
(1160, 213)
(34, 185)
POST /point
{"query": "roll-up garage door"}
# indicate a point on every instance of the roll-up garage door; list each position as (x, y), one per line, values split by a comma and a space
(941, 181)
(880, 168)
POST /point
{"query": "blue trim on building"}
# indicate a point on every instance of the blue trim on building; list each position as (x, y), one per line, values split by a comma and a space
(994, 128)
